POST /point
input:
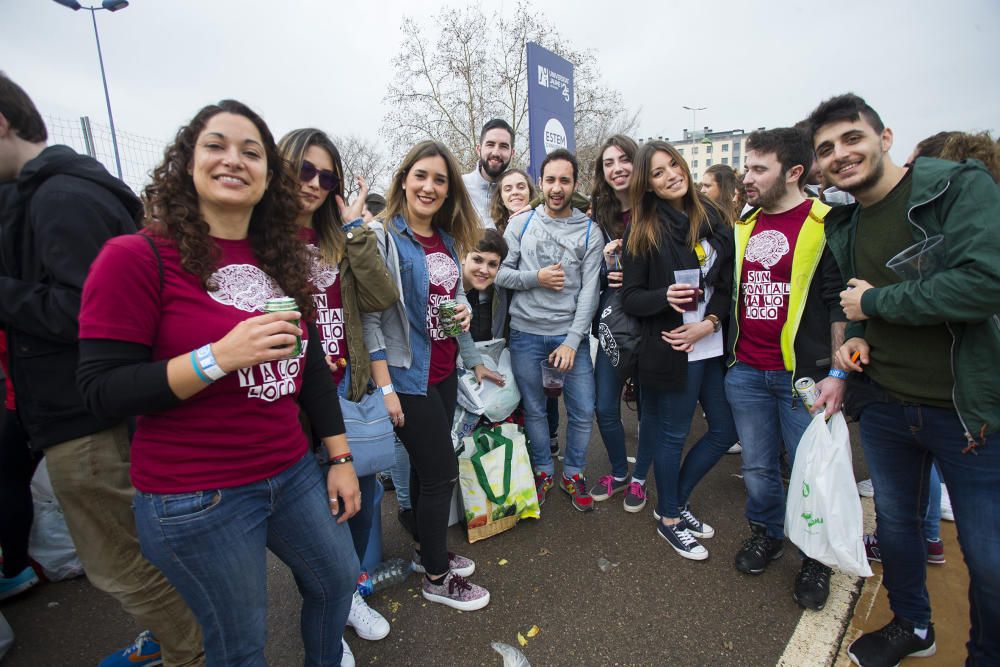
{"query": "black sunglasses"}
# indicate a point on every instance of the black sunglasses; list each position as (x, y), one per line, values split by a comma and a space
(327, 179)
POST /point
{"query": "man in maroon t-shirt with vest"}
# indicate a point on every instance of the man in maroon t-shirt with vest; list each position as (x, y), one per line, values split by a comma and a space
(786, 324)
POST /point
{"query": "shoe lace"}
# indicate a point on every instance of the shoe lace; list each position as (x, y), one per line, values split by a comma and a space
(871, 540)
(580, 482)
(896, 630)
(813, 572)
(637, 489)
(684, 535)
(756, 544)
(689, 518)
(137, 645)
(458, 583)
(606, 481)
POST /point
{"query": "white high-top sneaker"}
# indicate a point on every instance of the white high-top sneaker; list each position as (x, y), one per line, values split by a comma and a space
(368, 623)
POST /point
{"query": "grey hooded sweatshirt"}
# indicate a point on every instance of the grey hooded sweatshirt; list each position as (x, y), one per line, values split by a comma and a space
(535, 241)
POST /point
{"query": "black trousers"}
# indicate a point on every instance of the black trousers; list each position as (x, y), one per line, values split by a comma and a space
(17, 466)
(426, 435)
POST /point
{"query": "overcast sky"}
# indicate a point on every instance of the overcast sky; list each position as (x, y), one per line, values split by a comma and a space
(925, 65)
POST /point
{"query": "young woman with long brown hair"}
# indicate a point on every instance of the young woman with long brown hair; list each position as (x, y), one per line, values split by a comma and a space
(173, 328)
(675, 228)
(429, 223)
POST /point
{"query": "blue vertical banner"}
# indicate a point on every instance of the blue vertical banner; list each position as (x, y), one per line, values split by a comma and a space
(550, 105)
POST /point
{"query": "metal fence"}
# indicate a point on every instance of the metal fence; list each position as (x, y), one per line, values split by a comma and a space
(139, 154)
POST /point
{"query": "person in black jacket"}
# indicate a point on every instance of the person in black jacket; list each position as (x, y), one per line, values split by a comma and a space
(675, 228)
(67, 205)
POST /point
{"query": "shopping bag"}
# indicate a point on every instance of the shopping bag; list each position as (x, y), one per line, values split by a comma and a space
(499, 402)
(469, 392)
(462, 427)
(823, 515)
(370, 434)
(49, 542)
(497, 484)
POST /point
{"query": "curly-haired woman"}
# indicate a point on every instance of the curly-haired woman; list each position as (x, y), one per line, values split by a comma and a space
(350, 279)
(172, 329)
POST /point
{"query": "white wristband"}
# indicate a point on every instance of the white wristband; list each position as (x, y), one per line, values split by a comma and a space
(209, 365)
(387, 389)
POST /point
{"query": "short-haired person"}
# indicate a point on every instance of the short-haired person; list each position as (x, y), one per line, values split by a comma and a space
(349, 278)
(612, 212)
(786, 324)
(65, 208)
(173, 328)
(479, 272)
(495, 150)
(928, 347)
(553, 269)
(675, 228)
(514, 193)
(374, 204)
(429, 223)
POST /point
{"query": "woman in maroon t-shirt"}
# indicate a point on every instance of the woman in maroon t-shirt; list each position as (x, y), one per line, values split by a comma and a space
(350, 278)
(172, 329)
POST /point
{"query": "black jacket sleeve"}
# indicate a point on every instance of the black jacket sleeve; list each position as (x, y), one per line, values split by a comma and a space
(831, 285)
(117, 379)
(318, 397)
(637, 300)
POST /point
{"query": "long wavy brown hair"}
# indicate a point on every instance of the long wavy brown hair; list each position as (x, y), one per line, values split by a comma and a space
(326, 221)
(498, 210)
(457, 215)
(172, 211)
(604, 203)
(647, 230)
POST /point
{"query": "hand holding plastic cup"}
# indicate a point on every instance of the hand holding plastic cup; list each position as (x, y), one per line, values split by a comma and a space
(689, 277)
(552, 378)
(920, 260)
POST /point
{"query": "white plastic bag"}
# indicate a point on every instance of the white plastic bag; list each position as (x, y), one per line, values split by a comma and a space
(6, 636)
(499, 402)
(823, 515)
(469, 394)
(463, 425)
(50, 543)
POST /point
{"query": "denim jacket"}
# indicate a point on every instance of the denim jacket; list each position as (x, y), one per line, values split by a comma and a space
(399, 334)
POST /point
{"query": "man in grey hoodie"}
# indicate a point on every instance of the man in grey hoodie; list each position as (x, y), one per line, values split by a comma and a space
(553, 269)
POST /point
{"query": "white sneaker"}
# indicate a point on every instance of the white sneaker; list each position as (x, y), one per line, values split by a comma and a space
(737, 448)
(368, 623)
(865, 489)
(946, 512)
(347, 659)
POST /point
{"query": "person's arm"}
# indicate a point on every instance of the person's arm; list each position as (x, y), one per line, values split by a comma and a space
(318, 396)
(509, 275)
(68, 230)
(637, 299)
(589, 296)
(375, 287)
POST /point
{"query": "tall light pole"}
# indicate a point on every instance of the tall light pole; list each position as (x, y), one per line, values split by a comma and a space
(694, 115)
(111, 6)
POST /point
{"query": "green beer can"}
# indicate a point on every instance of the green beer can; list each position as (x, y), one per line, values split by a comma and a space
(283, 304)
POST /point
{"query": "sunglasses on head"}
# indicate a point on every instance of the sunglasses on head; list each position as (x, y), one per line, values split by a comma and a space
(327, 179)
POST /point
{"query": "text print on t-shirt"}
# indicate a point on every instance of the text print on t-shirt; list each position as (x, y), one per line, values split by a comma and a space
(247, 288)
(329, 317)
(763, 298)
(442, 272)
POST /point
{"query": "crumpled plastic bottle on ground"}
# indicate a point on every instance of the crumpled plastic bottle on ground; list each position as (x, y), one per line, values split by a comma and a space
(512, 657)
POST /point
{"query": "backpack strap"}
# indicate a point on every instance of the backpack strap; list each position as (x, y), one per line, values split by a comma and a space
(159, 259)
(525, 228)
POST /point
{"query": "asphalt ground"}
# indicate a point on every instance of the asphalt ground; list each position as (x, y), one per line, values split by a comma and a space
(651, 608)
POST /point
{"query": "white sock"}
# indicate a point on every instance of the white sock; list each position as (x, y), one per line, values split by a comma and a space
(640, 482)
(620, 479)
(920, 632)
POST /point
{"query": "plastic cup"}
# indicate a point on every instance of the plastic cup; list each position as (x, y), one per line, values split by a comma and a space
(920, 260)
(552, 379)
(689, 277)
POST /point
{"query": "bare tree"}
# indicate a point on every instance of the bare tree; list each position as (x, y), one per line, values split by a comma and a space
(362, 157)
(468, 66)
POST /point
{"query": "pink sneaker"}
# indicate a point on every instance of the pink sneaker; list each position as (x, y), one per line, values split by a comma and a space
(457, 593)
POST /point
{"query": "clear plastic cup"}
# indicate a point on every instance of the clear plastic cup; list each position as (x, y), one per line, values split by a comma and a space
(689, 277)
(920, 260)
(552, 379)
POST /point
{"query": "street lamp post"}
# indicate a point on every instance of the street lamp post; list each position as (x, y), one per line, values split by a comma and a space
(694, 116)
(111, 6)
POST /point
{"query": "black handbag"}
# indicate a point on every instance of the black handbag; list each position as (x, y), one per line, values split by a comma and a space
(619, 335)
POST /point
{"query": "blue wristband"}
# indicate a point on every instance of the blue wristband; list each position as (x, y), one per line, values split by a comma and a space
(837, 373)
(208, 364)
(197, 369)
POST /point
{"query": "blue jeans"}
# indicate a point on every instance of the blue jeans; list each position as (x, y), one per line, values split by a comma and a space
(900, 442)
(212, 544)
(527, 351)
(609, 421)
(665, 426)
(766, 411)
(932, 518)
(400, 473)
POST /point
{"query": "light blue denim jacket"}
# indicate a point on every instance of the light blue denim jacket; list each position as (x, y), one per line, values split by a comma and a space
(399, 334)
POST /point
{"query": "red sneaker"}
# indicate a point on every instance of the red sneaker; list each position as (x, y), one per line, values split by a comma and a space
(543, 482)
(576, 487)
(935, 552)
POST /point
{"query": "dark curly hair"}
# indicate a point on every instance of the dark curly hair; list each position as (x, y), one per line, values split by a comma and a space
(172, 211)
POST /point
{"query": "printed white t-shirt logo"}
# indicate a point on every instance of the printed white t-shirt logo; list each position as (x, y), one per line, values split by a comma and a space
(441, 272)
(764, 299)
(330, 321)
(247, 288)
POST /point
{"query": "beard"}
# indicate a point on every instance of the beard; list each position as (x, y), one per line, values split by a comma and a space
(766, 199)
(869, 181)
(493, 173)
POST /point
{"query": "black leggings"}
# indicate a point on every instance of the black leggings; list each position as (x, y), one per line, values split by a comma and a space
(17, 466)
(426, 434)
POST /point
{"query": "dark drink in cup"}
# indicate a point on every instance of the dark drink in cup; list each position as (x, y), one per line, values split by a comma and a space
(690, 277)
(552, 379)
(552, 390)
(692, 305)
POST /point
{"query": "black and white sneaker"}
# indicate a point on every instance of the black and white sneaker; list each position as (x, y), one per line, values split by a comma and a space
(683, 542)
(812, 584)
(890, 644)
(697, 527)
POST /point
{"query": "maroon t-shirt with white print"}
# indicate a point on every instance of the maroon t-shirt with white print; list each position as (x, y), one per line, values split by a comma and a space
(329, 306)
(240, 429)
(442, 275)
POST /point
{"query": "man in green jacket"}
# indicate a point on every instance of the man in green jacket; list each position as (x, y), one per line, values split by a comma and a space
(928, 345)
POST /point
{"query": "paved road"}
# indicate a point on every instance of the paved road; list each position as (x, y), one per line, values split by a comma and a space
(654, 608)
